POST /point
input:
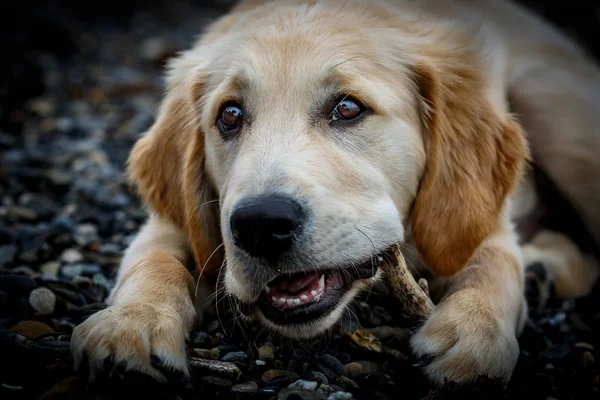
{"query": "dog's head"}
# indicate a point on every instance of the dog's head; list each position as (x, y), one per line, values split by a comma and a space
(310, 138)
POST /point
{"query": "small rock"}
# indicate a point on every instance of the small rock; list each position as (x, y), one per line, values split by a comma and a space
(31, 329)
(330, 366)
(221, 368)
(24, 270)
(279, 377)
(7, 254)
(42, 300)
(235, 356)
(267, 393)
(215, 353)
(50, 269)
(584, 345)
(588, 359)
(110, 249)
(201, 339)
(22, 214)
(101, 280)
(315, 376)
(360, 368)
(266, 353)
(71, 256)
(340, 396)
(75, 270)
(347, 382)
(213, 326)
(300, 394)
(301, 383)
(86, 234)
(216, 382)
(248, 387)
(395, 353)
(203, 353)
(555, 352)
(260, 363)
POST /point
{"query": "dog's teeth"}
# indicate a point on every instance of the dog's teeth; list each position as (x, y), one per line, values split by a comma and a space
(313, 292)
(282, 300)
(267, 289)
(274, 299)
(304, 297)
(322, 282)
(297, 302)
(290, 302)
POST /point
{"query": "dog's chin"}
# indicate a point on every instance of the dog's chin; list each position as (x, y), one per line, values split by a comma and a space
(304, 304)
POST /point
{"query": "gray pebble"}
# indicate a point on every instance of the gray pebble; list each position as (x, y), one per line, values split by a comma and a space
(86, 234)
(7, 254)
(235, 356)
(50, 269)
(301, 383)
(300, 393)
(248, 387)
(43, 300)
(71, 256)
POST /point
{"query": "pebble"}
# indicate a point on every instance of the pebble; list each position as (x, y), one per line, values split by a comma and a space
(315, 376)
(7, 254)
(43, 300)
(278, 377)
(330, 366)
(340, 396)
(203, 353)
(75, 270)
(215, 382)
(235, 356)
(86, 234)
(301, 383)
(220, 368)
(31, 329)
(50, 269)
(71, 256)
(248, 387)
(266, 353)
(300, 394)
(201, 339)
(360, 368)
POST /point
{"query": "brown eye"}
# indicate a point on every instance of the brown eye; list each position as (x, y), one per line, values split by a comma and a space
(347, 109)
(230, 118)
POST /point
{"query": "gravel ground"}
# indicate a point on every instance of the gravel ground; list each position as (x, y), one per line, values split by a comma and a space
(72, 109)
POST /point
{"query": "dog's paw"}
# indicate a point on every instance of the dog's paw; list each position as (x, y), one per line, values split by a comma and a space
(463, 341)
(539, 286)
(138, 337)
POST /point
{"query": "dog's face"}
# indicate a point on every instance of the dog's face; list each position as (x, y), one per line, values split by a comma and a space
(323, 140)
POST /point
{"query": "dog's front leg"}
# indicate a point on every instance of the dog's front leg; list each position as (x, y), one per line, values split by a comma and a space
(474, 329)
(150, 311)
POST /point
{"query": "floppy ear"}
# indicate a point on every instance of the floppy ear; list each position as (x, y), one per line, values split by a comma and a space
(475, 155)
(167, 167)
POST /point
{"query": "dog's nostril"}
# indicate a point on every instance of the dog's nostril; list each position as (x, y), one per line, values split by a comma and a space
(266, 227)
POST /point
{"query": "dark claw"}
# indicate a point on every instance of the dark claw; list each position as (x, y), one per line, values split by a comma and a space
(173, 376)
(539, 270)
(426, 360)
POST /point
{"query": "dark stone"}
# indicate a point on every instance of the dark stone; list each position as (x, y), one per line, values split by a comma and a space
(201, 340)
(300, 394)
(279, 378)
(235, 356)
(245, 388)
(330, 366)
(7, 254)
(17, 285)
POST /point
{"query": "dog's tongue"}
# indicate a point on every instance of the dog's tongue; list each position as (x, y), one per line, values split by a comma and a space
(295, 283)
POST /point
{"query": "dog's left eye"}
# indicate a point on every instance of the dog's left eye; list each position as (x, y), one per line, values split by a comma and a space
(347, 109)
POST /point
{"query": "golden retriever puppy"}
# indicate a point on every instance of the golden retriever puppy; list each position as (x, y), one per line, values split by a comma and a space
(299, 140)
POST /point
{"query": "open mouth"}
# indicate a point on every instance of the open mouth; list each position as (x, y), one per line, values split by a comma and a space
(304, 296)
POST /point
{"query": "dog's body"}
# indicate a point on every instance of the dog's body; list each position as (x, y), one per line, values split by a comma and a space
(308, 137)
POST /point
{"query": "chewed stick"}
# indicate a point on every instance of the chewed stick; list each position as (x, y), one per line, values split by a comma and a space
(414, 297)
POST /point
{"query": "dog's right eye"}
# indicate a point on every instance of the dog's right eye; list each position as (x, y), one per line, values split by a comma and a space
(230, 118)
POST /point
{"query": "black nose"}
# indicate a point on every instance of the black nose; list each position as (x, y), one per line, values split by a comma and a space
(266, 227)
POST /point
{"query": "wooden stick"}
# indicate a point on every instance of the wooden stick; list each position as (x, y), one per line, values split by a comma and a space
(413, 296)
